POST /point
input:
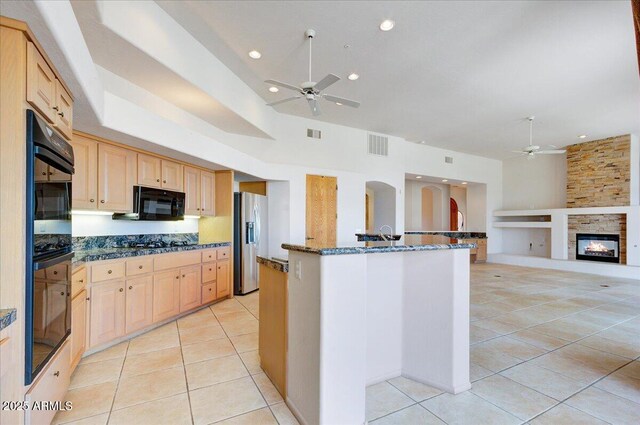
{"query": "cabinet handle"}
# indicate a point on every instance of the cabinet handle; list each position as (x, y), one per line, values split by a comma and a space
(209, 289)
(164, 181)
(218, 268)
(102, 201)
(61, 114)
(158, 180)
(50, 173)
(92, 200)
(209, 269)
(62, 293)
(56, 373)
(177, 277)
(44, 173)
(121, 289)
(55, 108)
(81, 281)
(55, 272)
(182, 275)
(140, 267)
(130, 287)
(109, 271)
(88, 299)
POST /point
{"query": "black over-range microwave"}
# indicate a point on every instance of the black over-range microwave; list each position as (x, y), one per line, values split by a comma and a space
(151, 204)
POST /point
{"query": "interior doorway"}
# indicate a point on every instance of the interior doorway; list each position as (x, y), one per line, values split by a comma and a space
(321, 210)
(453, 215)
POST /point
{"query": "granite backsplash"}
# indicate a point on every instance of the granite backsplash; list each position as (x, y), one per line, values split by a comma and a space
(83, 243)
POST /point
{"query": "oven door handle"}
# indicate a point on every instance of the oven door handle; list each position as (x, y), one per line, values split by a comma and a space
(39, 265)
(53, 160)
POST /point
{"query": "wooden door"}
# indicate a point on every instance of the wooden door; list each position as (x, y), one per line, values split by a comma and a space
(322, 192)
(222, 279)
(56, 311)
(166, 295)
(107, 312)
(78, 326)
(171, 175)
(149, 171)
(190, 291)
(453, 215)
(41, 171)
(41, 83)
(192, 191)
(207, 191)
(84, 188)
(116, 170)
(139, 304)
(64, 111)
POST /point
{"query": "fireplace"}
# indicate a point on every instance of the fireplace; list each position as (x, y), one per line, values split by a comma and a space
(598, 247)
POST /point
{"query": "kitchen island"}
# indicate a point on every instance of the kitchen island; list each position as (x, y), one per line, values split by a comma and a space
(364, 312)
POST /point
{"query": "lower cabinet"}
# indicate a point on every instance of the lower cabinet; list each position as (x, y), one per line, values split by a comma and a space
(166, 295)
(208, 292)
(190, 288)
(78, 327)
(107, 312)
(139, 303)
(222, 279)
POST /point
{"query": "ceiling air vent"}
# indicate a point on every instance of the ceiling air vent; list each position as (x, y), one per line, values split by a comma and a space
(448, 159)
(314, 134)
(378, 145)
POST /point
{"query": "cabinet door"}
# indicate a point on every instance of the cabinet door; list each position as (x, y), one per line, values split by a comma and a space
(78, 326)
(64, 111)
(57, 175)
(149, 171)
(192, 191)
(107, 312)
(39, 308)
(166, 295)
(207, 190)
(116, 169)
(41, 171)
(171, 175)
(139, 303)
(84, 187)
(41, 83)
(190, 291)
(222, 279)
(56, 311)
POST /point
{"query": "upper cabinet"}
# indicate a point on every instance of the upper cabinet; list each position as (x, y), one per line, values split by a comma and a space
(84, 186)
(192, 191)
(171, 175)
(160, 173)
(116, 175)
(47, 94)
(207, 197)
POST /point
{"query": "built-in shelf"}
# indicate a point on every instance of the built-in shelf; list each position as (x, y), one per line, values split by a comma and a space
(524, 224)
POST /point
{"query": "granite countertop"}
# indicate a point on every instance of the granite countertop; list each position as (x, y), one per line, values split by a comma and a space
(451, 234)
(7, 317)
(426, 242)
(99, 254)
(274, 263)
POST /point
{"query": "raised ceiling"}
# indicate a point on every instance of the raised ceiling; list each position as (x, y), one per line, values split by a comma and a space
(459, 75)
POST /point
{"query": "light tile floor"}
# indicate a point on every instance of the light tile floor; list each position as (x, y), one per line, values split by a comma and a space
(547, 347)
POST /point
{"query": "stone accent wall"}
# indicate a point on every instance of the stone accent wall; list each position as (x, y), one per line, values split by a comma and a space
(612, 224)
(599, 173)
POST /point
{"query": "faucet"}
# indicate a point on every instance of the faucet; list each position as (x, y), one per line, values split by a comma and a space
(382, 233)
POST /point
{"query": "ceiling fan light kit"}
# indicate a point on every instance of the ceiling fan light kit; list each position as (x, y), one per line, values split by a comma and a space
(310, 90)
(532, 150)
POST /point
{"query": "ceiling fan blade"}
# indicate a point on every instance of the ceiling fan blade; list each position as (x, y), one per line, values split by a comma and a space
(315, 108)
(521, 152)
(551, 151)
(326, 82)
(281, 84)
(283, 101)
(342, 100)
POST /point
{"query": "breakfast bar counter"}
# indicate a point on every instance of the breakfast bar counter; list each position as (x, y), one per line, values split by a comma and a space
(363, 312)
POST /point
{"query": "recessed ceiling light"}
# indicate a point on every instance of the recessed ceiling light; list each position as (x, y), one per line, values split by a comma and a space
(424, 142)
(582, 136)
(387, 25)
(254, 54)
(464, 182)
(274, 89)
(418, 177)
(338, 103)
(353, 76)
(444, 180)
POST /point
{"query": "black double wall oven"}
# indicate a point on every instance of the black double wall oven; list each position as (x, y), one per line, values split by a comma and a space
(48, 244)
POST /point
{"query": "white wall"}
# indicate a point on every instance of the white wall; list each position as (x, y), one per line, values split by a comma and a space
(413, 205)
(104, 225)
(533, 242)
(384, 205)
(278, 203)
(534, 183)
(479, 208)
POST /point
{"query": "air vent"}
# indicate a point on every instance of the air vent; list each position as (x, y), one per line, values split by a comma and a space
(314, 134)
(378, 145)
(448, 159)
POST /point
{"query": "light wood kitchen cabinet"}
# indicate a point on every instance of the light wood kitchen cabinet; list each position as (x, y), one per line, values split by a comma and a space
(78, 327)
(208, 293)
(172, 175)
(192, 191)
(116, 174)
(44, 173)
(166, 295)
(139, 303)
(107, 307)
(41, 84)
(84, 187)
(207, 194)
(64, 111)
(222, 279)
(149, 171)
(190, 288)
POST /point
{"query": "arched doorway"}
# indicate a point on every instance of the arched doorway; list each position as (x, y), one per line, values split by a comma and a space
(453, 215)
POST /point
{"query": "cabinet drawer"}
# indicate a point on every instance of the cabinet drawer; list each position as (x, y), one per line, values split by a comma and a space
(176, 260)
(140, 265)
(208, 292)
(58, 272)
(107, 271)
(224, 253)
(481, 242)
(209, 272)
(51, 386)
(78, 281)
(208, 255)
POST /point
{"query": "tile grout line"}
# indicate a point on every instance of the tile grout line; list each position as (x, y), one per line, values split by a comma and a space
(115, 394)
(184, 371)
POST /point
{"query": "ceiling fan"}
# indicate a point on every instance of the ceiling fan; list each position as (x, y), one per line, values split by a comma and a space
(532, 150)
(312, 91)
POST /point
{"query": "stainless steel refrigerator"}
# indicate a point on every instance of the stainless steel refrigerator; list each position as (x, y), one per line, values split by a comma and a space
(250, 239)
